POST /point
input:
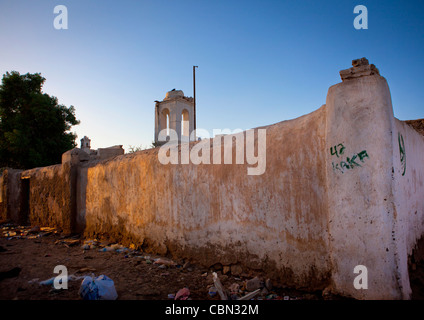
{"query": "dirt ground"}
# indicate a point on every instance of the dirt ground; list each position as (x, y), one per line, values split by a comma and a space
(29, 256)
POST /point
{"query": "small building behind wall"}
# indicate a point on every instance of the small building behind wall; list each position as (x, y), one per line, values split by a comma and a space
(48, 196)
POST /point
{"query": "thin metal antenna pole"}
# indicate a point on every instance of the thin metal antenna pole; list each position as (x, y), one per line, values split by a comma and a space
(194, 95)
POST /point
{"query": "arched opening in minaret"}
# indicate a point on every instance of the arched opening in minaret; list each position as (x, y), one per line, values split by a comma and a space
(185, 125)
(164, 121)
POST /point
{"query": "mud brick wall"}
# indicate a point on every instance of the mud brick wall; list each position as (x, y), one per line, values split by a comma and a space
(219, 214)
(52, 196)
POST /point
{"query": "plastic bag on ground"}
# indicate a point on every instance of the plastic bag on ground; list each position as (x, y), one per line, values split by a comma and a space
(100, 288)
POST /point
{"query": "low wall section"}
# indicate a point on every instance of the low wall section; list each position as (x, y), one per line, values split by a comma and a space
(219, 214)
(52, 196)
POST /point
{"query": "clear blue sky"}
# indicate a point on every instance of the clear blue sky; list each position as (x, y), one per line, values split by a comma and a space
(260, 62)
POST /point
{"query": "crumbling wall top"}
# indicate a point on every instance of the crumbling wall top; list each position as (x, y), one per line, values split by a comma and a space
(360, 68)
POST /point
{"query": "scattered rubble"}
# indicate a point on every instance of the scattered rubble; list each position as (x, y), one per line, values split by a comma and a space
(254, 284)
(250, 295)
(360, 68)
(12, 231)
(155, 276)
(236, 270)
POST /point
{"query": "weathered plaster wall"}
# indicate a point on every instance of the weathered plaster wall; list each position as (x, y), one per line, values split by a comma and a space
(360, 196)
(376, 202)
(409, 180)
(217, 213)
(52, 196)
(408, 190)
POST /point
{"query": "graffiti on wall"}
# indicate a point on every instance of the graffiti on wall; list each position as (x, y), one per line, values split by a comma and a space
(402, 153)
(346, 163)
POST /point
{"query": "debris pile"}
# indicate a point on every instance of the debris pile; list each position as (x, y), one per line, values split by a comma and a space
(179, 279)
(360, 68)
(248, 289)
(11, 231)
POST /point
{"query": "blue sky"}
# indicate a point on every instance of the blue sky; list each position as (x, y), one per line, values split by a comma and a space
(260, 62)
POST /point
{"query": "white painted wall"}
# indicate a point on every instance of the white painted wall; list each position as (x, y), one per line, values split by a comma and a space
(360, 200)
(408, 191)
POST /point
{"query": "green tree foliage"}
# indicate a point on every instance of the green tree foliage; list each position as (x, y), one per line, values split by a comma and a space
(34, 127)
